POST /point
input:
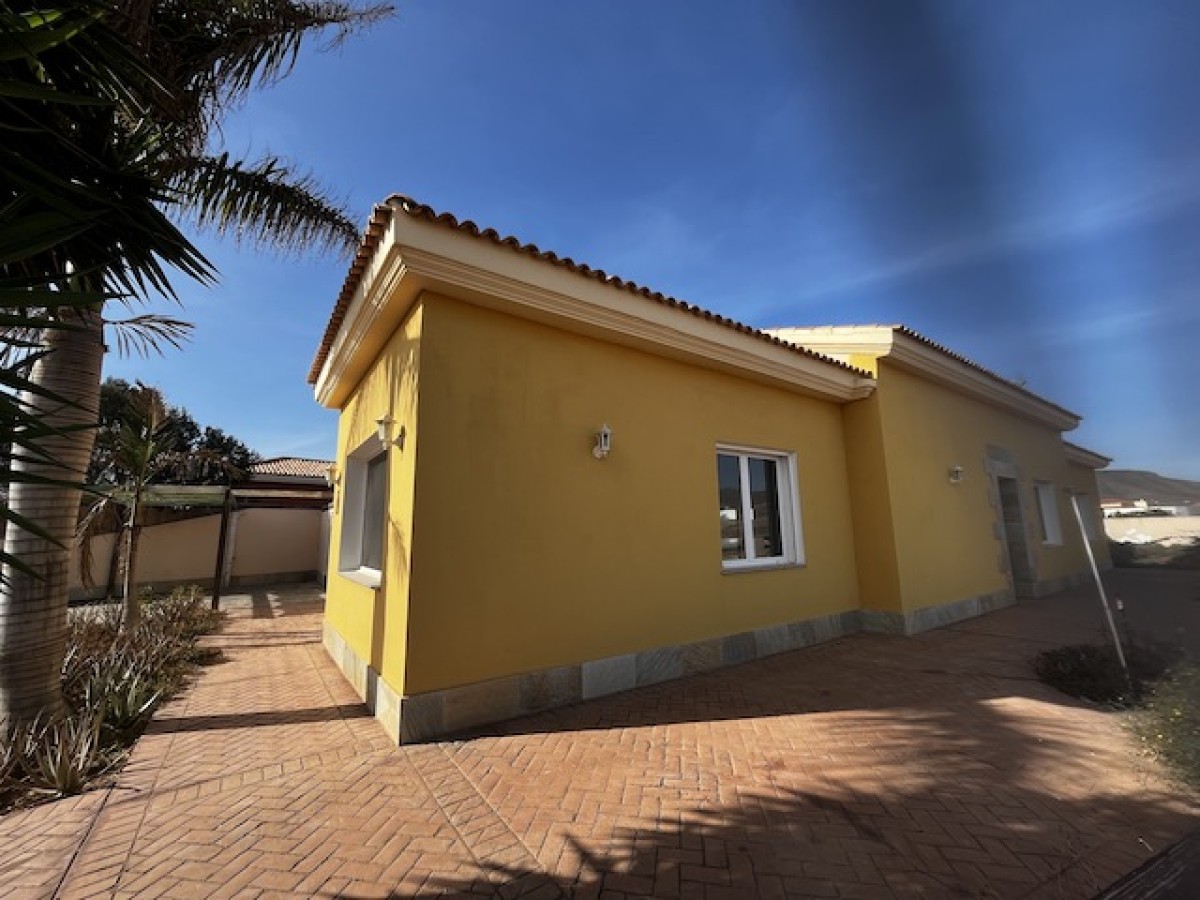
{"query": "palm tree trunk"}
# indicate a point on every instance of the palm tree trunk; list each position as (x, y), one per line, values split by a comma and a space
(33, 610)
(132, 615)
(114, 567)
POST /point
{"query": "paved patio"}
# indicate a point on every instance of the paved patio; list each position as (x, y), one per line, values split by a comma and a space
(872, 767)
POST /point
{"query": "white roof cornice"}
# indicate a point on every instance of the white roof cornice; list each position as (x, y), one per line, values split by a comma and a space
(913, 352)
(415, 254)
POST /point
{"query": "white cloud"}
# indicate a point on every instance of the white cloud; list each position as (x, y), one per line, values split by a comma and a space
(1147, 202)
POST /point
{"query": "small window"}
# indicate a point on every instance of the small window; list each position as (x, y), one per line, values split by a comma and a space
(759, 513)
(1047, 504)
(364, 514)
(374, 506)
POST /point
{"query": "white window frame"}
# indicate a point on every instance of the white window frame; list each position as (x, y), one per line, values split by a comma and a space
(354, 504)
(1047, 503)
(788, 499)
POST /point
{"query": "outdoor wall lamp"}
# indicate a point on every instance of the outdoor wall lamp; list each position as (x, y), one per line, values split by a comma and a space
(956, 474)
(331, 475)
(603, 442)
(383, 428)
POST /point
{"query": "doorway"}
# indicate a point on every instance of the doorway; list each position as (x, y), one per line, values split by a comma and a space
(1016, 539)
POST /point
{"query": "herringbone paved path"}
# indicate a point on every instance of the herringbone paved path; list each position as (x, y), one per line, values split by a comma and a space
(873, 767)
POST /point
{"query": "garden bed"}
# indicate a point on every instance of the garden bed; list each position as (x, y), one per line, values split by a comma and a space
(1162, 694)
(112, 681)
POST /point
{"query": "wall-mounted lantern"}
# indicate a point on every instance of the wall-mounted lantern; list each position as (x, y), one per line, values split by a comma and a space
(603, 442)
(383, 428)
(383, 431)
(956, 474)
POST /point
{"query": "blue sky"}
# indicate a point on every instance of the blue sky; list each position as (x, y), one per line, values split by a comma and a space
(1018, 180)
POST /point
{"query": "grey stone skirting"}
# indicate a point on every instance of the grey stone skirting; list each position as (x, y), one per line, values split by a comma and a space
(930, 617)
(435, 714)
(426, 716)
(379, 696)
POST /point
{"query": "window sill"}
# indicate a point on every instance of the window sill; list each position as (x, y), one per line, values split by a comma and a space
(760, 567)
(371, 578)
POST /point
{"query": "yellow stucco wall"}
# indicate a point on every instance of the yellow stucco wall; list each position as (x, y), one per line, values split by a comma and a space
(374, 622)
(510, 549)
(530, 553)
(945, 543)
(874, 530)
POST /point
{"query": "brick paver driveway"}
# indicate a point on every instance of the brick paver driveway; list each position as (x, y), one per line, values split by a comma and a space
(873, 767)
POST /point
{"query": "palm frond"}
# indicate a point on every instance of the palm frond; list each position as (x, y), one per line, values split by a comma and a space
(265, 203)
(147, 334)
(218, 51)
(102, 516)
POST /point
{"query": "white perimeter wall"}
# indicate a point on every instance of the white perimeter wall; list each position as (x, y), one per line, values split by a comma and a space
(266, 542)
(1140, 530)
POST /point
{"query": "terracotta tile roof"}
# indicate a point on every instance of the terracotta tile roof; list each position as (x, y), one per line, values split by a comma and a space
(1085, 452)
(941, 348)
(381, 216)
(292, 467)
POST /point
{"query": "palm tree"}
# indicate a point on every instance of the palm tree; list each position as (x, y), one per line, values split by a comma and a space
(152, 133)
(138, 452)
(81, 223)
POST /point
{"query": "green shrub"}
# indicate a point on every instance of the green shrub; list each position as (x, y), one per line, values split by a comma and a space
(1093, 671)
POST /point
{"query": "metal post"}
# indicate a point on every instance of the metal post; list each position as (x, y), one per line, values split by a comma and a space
(219, 576)
(1112, 626)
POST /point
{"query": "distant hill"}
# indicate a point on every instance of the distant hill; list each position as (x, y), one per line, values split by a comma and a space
(1132, 484)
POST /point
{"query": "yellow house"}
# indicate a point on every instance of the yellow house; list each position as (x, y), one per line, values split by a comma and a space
(553, 484)
(1005, 527)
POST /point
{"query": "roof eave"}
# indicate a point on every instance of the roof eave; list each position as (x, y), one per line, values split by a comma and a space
(412, 254)
(1085, 457)
(922, 357)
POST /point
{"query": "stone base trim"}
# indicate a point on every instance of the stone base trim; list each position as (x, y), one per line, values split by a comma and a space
(435, 714)
(424, 717)
(438, 713)
(379, 696)
(927, 618)
(930, 617)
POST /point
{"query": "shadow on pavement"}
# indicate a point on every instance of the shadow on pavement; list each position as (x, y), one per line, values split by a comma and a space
(258, 719)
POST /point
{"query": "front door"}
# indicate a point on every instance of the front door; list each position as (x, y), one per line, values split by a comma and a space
(1016, 538)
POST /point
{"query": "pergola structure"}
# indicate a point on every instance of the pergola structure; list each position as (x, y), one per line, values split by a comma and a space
(250, 495)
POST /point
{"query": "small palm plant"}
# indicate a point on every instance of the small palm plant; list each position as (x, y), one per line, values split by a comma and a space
(133, 455)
